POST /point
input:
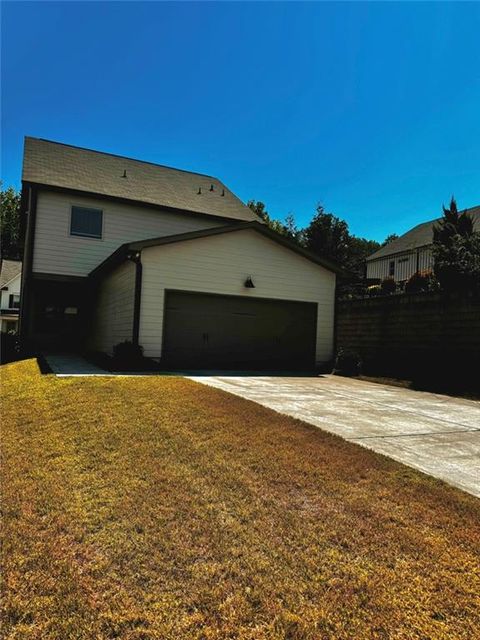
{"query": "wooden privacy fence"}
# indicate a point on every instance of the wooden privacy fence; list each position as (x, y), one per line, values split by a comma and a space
(416, 336)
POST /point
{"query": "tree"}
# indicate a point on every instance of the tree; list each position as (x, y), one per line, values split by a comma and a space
(358, 251)
(451, 224)
(456, 250)
(10, 224)
(291, 230)
(389, 239)
(328, 236)
(287, 228)
(259, 208)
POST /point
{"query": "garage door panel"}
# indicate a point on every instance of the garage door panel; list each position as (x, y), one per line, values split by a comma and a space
(210, 331)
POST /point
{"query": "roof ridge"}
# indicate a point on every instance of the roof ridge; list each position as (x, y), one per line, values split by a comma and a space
(116, 155)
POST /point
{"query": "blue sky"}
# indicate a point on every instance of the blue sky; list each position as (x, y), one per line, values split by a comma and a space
(372, 109)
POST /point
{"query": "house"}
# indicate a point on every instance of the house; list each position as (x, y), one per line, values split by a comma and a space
(10, 280)
(409, 253)
(120, 250)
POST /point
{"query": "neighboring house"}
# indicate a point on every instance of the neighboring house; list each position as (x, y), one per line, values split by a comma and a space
(119, 249)
(409, 253)
(10, 282)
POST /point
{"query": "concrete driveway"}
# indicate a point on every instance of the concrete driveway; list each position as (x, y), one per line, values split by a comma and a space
(436, 434)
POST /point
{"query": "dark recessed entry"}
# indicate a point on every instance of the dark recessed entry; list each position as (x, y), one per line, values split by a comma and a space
(205, 331)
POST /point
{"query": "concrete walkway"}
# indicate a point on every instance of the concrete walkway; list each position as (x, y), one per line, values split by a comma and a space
(71, 364)
(436, 434)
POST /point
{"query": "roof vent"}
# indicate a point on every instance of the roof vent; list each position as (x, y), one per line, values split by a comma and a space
(199, 192)
(124, 173)
(212, 188)
(223, 192)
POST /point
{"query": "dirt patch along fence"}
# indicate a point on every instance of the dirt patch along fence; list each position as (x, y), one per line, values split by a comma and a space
(422, 337)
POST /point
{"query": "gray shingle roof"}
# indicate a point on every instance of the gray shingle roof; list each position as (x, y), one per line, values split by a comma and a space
(419, 236)
(8, 271)
(61, 165)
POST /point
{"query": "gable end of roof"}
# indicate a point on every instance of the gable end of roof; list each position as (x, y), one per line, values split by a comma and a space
(124, 250)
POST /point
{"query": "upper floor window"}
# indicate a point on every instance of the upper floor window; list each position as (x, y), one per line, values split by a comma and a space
(86, 222)
(391, 268)
(13, 301)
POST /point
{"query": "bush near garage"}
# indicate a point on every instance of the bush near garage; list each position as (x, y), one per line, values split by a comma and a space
(127, 356)
(347, 363)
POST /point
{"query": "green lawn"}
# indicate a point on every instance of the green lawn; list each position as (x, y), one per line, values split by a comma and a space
(157, 508)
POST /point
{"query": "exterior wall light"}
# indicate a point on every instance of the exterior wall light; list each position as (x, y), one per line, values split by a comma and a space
(249, 283)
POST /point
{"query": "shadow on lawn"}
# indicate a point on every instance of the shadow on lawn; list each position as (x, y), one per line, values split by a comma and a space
(146, 366)
(88, 364)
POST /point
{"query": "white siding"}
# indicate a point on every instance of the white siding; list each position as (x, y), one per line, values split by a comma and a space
(405, 264)
(56, 251)
(12, 287)
(113, 309)
(220, 264)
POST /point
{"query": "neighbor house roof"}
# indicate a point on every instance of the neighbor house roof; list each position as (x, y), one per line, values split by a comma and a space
(9, 270)
(66, 167)
(419, 236)
(124, 250)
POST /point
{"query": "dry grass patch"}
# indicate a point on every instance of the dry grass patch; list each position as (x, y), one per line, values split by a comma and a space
(157, 508)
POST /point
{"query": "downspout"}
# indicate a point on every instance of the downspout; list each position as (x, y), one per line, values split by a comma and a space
(27, 265)
(136, 258)
(335, 326)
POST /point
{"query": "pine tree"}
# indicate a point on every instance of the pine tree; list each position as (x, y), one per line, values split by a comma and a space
(456, 251)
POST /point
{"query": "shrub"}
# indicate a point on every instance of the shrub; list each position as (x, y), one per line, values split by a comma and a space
(388, 286)
(127, 355)
(421, 281)
(347, 363)
(9, 347)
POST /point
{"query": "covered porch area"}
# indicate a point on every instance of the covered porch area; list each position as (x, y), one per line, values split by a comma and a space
(58, 313)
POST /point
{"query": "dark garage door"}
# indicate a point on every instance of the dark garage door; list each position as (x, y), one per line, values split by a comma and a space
(204, 331)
